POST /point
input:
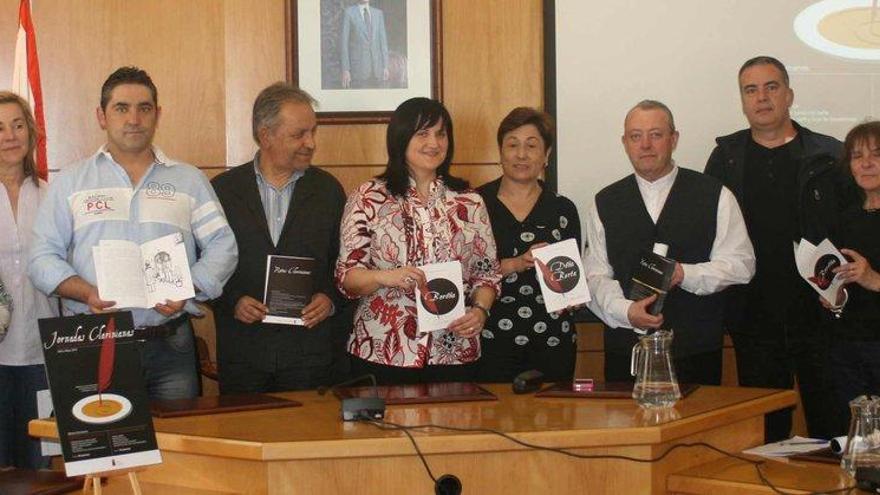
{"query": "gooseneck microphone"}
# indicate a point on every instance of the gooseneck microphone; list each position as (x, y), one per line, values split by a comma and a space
(322, 390)
(357, 408)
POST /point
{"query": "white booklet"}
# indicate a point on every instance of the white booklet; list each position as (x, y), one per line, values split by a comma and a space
(441, 300)
(793, 446)
(816, 265)
(140, 276)
(560, 273)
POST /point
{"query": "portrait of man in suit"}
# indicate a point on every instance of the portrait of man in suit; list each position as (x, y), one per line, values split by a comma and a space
(363, 44)
(363, 47)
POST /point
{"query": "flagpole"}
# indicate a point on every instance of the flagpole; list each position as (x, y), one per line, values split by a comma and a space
(26, 79)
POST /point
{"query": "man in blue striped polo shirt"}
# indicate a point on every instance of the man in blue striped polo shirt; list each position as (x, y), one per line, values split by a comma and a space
(129, 190)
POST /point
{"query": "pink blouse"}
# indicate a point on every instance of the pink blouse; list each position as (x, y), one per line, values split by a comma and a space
(382, 232)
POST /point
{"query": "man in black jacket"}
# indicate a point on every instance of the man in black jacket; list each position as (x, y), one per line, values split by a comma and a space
(279, 204)
(786, 181)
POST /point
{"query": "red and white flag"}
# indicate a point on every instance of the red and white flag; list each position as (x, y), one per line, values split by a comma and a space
(26, 79)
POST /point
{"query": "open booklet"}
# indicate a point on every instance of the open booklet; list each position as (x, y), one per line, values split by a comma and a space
(140, 276)
(816, 265)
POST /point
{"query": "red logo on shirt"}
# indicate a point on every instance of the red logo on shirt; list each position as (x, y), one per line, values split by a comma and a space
(97, 204)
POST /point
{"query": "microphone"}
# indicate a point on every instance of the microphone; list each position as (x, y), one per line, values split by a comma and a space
(358, 408)
(527, 381)
(323, 389)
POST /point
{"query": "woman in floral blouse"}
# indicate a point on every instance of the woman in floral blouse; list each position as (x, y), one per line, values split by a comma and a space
(413, 214)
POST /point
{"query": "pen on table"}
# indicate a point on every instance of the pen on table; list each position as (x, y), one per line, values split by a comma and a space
(804, 442)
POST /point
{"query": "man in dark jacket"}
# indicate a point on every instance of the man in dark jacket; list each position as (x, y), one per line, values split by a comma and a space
(279, 204)
(786, 181)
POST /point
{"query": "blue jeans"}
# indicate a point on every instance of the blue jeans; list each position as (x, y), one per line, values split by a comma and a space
(18, 405)
(170, 365)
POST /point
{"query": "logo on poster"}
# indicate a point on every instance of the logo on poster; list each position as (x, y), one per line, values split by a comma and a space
(561, 274)
(440, 297)
(823, 273)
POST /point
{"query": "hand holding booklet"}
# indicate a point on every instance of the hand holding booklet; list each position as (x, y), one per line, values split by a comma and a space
(816, 265)
(560, 274)
(141, 276)
(441, 300)
(652, 276)
(288, 288)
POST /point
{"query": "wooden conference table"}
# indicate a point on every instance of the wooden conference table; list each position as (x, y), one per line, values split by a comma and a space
(310, 450)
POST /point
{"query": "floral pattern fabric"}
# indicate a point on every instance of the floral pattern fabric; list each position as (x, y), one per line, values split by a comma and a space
(382, 232)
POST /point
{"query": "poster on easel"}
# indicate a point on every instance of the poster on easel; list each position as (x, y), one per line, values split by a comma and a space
(98, 393)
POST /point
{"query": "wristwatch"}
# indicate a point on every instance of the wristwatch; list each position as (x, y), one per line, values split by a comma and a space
(484, 309)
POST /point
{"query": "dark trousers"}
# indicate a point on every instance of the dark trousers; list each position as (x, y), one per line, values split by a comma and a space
(703, 368)
(501, 361)
(396, 375)
(18, 405)
(244, 377)
(854, 368)
(775, 347)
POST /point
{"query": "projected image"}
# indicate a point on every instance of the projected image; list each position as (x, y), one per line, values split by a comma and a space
(845, 28)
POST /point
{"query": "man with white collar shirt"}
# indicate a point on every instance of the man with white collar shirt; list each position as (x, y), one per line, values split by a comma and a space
(129, 190)
(701, 223)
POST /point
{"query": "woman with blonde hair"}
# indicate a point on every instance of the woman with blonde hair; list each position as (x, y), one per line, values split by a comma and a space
(21, 359)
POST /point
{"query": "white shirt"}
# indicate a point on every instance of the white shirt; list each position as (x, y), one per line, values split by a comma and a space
(731, 260)
(22, 345)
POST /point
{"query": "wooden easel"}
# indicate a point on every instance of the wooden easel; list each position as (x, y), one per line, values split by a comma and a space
(95, 481)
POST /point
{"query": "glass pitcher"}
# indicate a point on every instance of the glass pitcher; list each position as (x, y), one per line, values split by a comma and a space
(651, 364)
(863, 440)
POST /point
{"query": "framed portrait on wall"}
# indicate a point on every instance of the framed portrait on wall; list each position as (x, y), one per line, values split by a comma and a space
(361, 58)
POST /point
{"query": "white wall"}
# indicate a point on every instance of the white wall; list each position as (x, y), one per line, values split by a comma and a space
(611, 54)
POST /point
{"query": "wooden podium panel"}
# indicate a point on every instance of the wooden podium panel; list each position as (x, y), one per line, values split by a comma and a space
(309, 449)
(735, 477)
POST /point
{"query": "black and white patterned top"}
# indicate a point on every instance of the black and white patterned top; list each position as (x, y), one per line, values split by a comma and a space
(518, 315)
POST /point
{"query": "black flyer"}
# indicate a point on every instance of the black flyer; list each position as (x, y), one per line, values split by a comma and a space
(652, 275)
(101, 404)
(288, 288)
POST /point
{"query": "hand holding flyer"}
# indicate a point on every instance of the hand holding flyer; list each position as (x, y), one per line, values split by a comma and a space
(816, 265)
(560, 273)
(288, 288)
(441, 300)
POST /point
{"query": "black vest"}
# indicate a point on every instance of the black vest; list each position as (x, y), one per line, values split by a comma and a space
(687, 225)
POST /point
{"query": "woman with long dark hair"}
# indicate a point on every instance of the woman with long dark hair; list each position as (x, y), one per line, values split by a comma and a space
(415, 213)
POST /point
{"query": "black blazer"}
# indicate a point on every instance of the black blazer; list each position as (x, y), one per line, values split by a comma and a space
(310, 229)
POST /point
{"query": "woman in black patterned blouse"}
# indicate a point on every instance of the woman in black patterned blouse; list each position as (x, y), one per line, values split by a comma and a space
(520, 335)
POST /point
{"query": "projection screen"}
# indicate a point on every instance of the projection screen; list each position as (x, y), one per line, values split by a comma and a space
(609, 55)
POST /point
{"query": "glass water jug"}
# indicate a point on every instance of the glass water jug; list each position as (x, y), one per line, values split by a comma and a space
(863, 439)
(651, 364)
